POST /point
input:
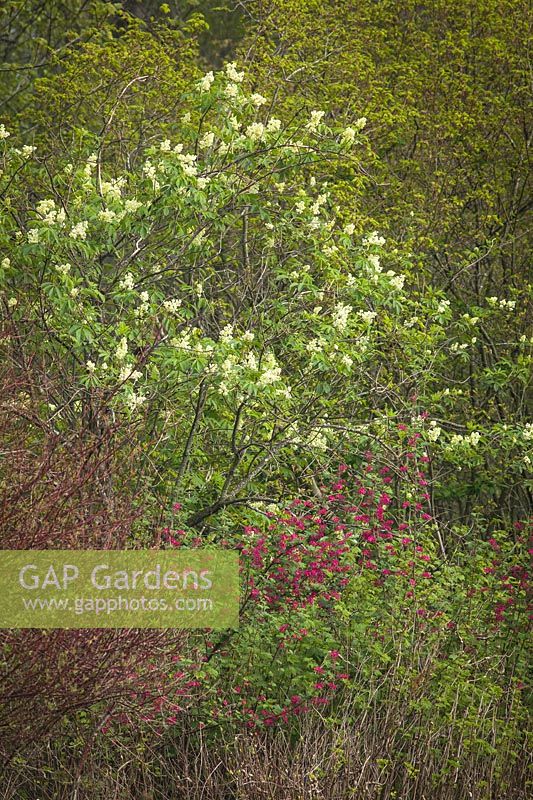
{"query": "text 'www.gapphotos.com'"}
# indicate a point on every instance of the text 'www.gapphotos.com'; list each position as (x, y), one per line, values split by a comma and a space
(110, 605)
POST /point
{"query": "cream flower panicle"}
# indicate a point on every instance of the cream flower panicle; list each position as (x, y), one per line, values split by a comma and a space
(255, 131)
(79, 231)
(315, 120)
(233, 74)
(206, 82)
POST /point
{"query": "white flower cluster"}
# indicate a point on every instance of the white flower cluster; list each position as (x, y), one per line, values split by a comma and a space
(172, 306)
(457, 440)
(127, 373)
(79, 231)
(229, 369)
(143, 308)
(255, 132)
(509, 304)
(133, 401)
(373, 238)
(396, 280)
(315, 346)
(318, 441)
(315, 121)
(90, 165)
(49, 213)
(271, 371)
(188, 165)
(112, 190)
(349, 134)
(296, 274)
(527, 433)
(226, 334)
(132, 205)
(318, 203)
(434, 431)
(4, 134)
(127, 283)
(151, 172)
(351, 280)
(273, 125)
(206, 82)
(330, 249)
(233, 74)
(107, 215)
(27, 151)
(347, 361)
(231, 91)
(258, 100)
(315, 208)
(250, 361)
(456, 347)
(122, 349)
(63, 269)
(368, 316)
(340, 316)
(183, 342)
(207, 139)
(374, 267)
(229, 365)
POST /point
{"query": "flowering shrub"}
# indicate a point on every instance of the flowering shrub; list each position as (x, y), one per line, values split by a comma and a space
(337, 586)
(183, 292)
(194, 338)
(207, 293)
(354, 614)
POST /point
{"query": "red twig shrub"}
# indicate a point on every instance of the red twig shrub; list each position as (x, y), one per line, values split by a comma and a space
(57, 492)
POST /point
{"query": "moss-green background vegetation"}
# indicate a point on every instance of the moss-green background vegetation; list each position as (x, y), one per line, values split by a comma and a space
(265, 285)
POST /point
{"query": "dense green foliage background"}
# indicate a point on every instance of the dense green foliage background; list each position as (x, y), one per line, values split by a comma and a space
(265, 284)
